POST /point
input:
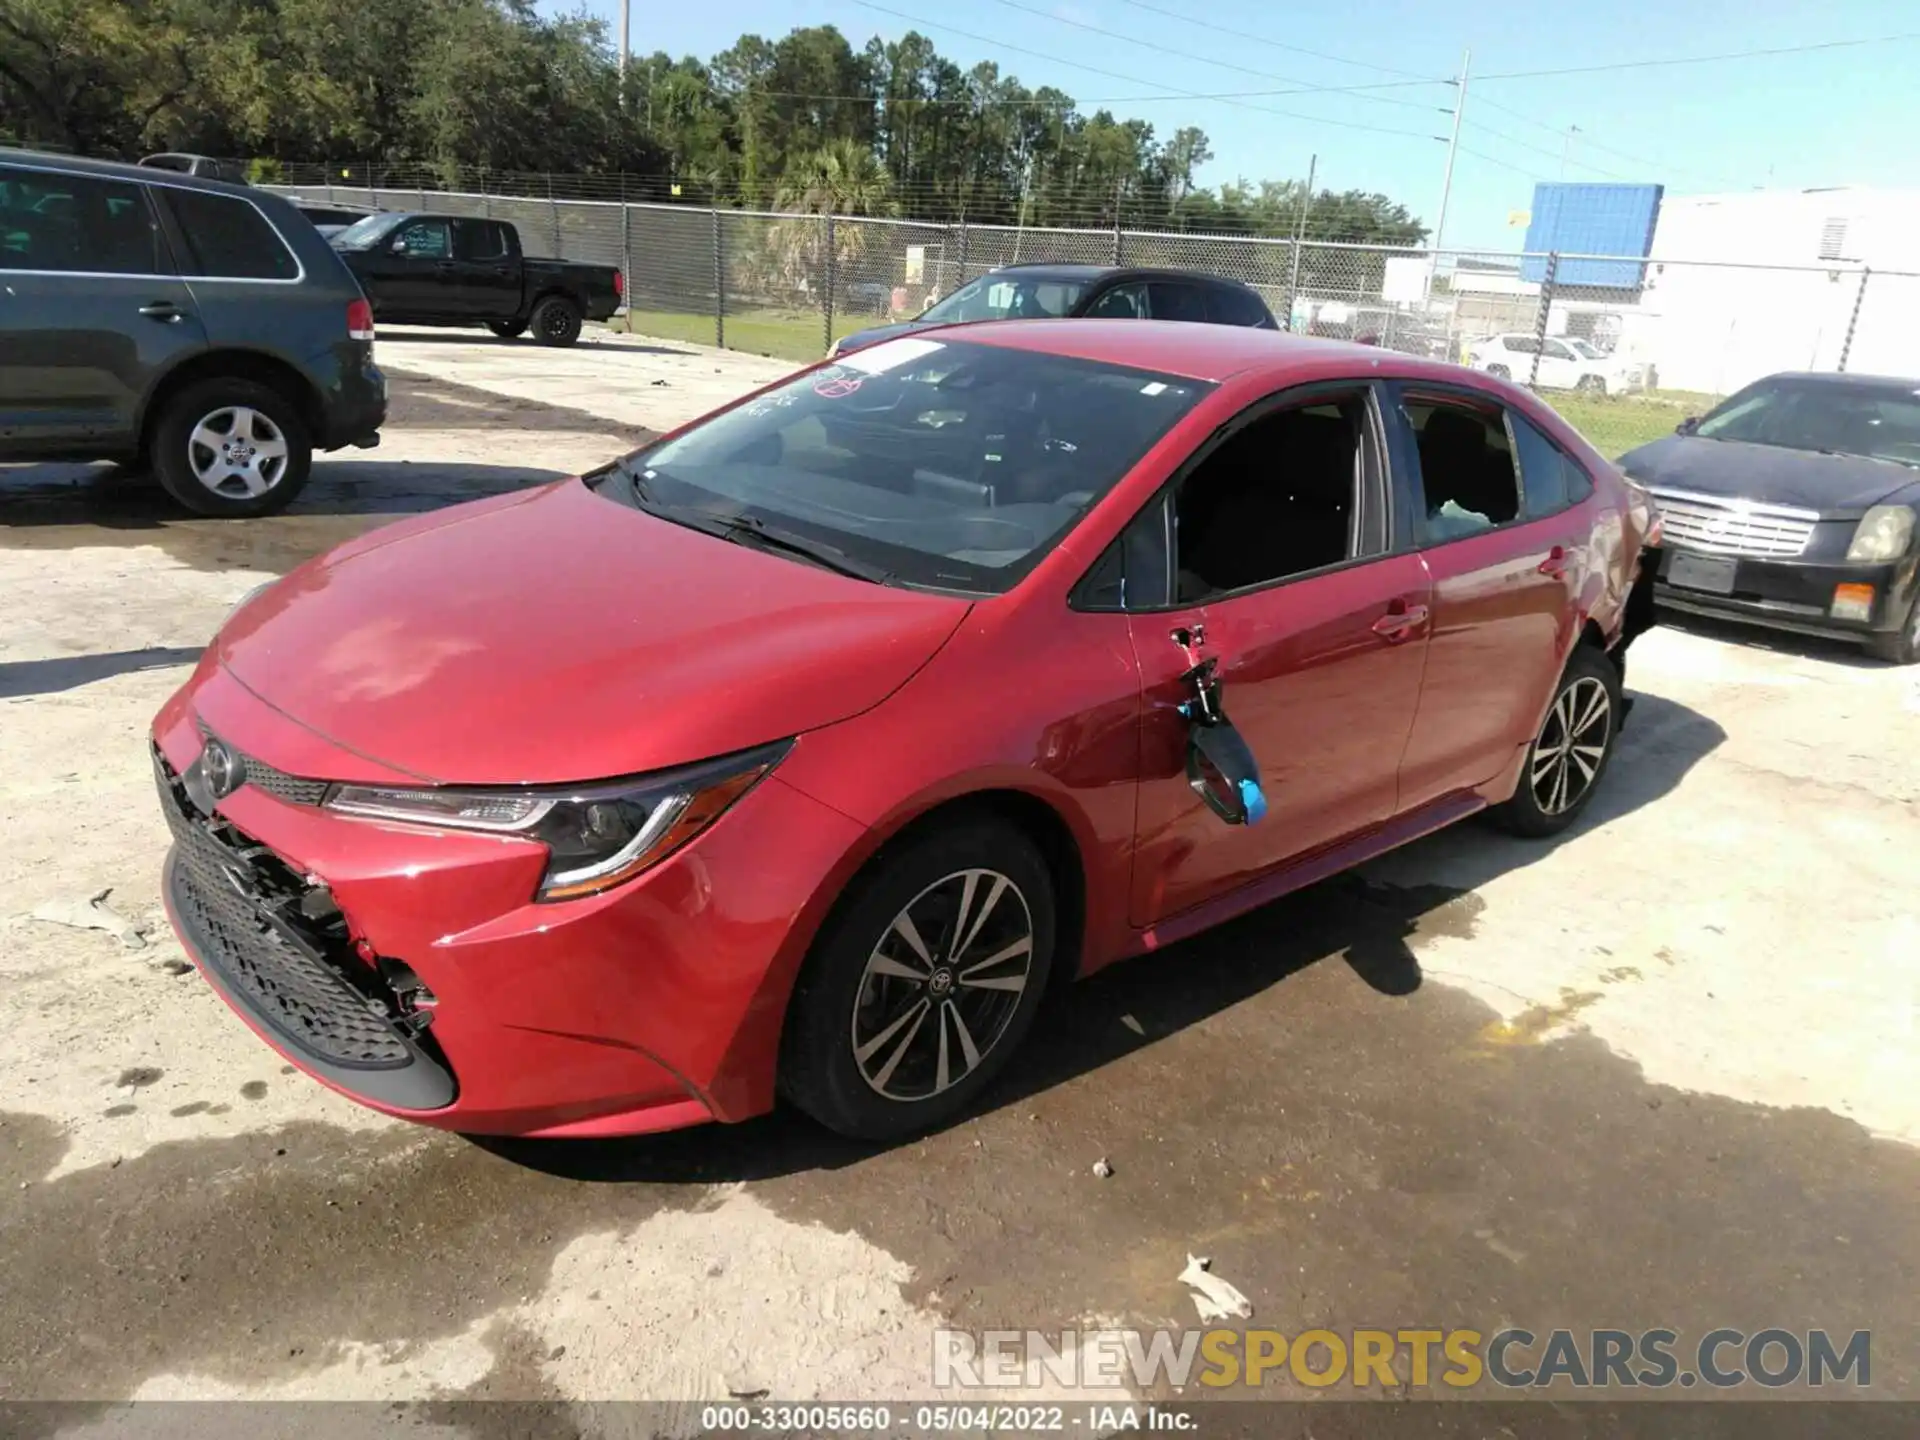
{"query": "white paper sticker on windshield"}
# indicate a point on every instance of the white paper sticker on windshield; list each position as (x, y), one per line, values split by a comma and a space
(888, 354)
(1154, 387)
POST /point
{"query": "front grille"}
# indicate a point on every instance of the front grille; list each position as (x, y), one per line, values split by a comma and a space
(1733, 527)
(294, 789)
(253, 920)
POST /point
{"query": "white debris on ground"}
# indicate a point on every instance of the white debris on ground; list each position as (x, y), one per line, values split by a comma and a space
(1213, 1297)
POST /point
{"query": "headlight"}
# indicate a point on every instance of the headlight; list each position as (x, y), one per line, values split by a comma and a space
(1883, 534)
(597, 836)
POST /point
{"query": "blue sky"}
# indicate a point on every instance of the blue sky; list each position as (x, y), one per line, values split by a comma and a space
(1833, 117)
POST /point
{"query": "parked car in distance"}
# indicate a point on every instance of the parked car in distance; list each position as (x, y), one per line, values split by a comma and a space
(801, 751)
(205, 166)
(423, 269)
(1565, 364)
(1083, 292)
(157, 319)
(1792, 504)
(330, 219)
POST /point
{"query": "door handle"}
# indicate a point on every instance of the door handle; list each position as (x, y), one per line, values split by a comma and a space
(501, 270)
(444, 267)
(1556, 564)
(1400, 621)
(161, 310)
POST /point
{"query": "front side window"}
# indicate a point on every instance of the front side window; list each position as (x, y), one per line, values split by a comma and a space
(229, 239)
(933, 462)
(424, 239)
(1467, 477)
(1005, 296)
(1122, 302)
(1278, 498)
(77, 223)
(1878, 423)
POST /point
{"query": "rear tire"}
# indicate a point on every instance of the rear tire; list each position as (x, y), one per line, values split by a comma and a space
(1591, 385)
(508, 329)
(556, 321)
(1499, 372)
(1569, 757)
(232, 448)
(923, 983)
(1902, 646)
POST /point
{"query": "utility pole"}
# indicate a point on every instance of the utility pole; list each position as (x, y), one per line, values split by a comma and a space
(1566, 149)
(1453, 148)
(1299, 237)
(626, 28)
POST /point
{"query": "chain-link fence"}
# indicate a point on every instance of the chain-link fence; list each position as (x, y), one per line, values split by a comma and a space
(1625, 346)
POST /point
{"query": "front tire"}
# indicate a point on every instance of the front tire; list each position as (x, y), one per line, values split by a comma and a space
(1902, 646)
(556, 321)
(1499, 372)
(1592, 385)
(1569, 756)
(923, 984)
(508, 329)
(231, 448)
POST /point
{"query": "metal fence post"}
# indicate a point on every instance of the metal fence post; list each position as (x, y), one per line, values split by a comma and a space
(553, 206)
(719, 283)
(961, 278)
(329, 182)
(486, 200)
(1853, 320)
(626, 248)
(826, 299)
(1540, 316)
(1118, 246)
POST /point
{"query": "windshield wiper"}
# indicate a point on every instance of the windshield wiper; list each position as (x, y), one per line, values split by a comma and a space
(1856, 455)
(741, 529)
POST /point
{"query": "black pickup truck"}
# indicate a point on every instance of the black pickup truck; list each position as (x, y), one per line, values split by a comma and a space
(421, 269)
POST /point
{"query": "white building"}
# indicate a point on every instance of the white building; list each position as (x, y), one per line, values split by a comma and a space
(1716, 326)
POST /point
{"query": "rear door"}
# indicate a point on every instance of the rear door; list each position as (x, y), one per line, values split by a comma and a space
(1280, 571)
(486, 271)
(1507, 567)
(91, 308)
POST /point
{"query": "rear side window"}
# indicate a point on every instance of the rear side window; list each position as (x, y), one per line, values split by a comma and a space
(479, 240)
(1466, 468)
(77, 223)
(1551, 478)
(1230, 305)
(229, 239)
(1176, 302)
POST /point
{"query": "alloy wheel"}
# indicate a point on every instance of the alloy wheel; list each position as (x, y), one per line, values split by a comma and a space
(942, 985)
(237, 452)
(1572, 744)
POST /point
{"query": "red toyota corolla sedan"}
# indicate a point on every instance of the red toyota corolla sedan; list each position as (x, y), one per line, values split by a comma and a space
(800, 752)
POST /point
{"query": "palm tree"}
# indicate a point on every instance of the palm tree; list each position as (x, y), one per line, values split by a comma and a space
(843, 179)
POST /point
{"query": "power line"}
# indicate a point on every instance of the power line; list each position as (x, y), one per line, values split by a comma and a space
(1135, 80)
(1663, 165)
(1487, 129)
(1279, 44)
(1807, 49)
(1160, 49)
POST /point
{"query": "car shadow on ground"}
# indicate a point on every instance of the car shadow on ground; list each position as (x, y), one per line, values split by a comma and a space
(21, 678)
(398, 336)
(1352, 917)
(61, 507)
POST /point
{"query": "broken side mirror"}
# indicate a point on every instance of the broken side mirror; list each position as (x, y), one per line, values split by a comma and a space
(1220, 765)
(1687, 426)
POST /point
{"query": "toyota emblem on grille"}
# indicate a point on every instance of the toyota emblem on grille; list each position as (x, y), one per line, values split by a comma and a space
(226, 772)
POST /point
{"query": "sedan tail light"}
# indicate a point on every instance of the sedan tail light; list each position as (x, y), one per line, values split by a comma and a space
(359, 320)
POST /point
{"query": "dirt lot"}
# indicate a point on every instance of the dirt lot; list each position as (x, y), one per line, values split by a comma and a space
(1660, 1073)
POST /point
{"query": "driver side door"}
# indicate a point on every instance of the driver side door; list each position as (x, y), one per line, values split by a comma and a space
(1278, 566)
(408, 273)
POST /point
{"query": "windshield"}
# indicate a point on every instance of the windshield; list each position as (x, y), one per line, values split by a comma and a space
(953, 466)
(365, 232)
(1879, 424)
(1008, 297)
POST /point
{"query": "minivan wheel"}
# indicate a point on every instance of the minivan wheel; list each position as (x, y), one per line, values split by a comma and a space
(507, 329)
(923, 984)
(1570, 754)
(231, 447)
(556, 321)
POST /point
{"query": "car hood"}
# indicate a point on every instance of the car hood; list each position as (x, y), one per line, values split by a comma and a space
(860, 339)
(553, 636)
(1840, 487)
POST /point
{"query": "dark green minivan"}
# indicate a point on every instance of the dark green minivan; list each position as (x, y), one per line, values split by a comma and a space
(202, 329)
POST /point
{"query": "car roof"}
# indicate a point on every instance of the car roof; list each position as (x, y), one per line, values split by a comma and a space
(1056, 270)
(1196, 352)
(1846, 380)
(117, 170)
